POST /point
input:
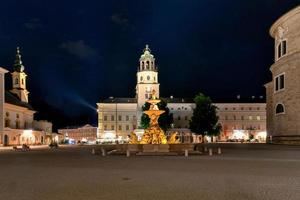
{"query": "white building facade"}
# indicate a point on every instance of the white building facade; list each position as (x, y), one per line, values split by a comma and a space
(117, 117)
(16, 125)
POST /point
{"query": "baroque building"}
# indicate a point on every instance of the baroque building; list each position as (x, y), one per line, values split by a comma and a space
(283, 92)
(82, 134)
(117, 117)
(17, 125)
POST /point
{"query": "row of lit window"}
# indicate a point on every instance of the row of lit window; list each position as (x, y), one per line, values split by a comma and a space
(120, 127)
(182, 108)
(120, 118)
(258, 118)
(243, 127)
(242, 108)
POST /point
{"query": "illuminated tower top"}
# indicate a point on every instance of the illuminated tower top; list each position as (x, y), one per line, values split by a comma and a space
(147, 60)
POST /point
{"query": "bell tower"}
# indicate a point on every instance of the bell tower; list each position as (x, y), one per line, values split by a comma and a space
(19, 79)
(147, 79)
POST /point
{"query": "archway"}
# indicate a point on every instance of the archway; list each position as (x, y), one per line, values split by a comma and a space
(6, 140)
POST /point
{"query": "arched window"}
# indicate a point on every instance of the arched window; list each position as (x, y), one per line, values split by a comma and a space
(16, 81)
(22, 81)
(279, 109)
(147, 64)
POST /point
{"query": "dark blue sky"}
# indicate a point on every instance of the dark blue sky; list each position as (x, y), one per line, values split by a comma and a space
(76, 52)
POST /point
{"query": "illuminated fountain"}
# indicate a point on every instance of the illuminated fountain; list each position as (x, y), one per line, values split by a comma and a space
(154, 134)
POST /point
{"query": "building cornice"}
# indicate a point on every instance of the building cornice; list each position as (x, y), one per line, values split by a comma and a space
(282, 19)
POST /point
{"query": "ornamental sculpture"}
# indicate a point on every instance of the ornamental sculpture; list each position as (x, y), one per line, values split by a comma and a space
(154, 134)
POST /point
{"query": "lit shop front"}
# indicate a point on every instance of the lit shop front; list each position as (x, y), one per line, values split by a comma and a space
(248, 135)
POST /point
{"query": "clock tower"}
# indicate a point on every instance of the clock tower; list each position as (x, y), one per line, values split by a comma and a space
(147, 80)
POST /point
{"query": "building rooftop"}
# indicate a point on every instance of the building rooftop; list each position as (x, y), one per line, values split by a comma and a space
(119, 100)
(238, 99)
(179, 100)
(13, 99)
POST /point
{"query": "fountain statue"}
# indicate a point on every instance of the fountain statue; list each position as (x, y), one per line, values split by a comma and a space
(154, 134)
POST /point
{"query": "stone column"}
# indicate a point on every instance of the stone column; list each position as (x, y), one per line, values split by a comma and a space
(2, 100)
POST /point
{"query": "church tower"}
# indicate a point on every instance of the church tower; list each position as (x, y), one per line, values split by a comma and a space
(147, 79)
(19, 79)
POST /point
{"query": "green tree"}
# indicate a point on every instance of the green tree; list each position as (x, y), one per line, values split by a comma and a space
(205, 120)
(165, 120)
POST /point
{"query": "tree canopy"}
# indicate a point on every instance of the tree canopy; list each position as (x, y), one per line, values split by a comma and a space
(205, 120)
(165, 120)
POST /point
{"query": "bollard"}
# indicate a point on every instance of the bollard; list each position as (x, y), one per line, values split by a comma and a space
(205, 149)
(127, 153)
(219, 150)
(210, 152)
(103, 152)
(93, 151)
(186, 153)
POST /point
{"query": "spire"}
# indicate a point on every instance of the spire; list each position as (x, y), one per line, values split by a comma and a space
(18, 66)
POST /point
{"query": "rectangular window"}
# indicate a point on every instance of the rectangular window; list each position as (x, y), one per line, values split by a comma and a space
(283, 47)
(258, 118)
(279, 82)
(134, 126)
(120, 118)
(127, 118)
(105, 118)
(105, 127)
(112, 127)
(112, 118)
(127, 127)
(279, 51)
(120, 127)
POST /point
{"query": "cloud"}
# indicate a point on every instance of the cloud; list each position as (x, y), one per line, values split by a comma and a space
(33, 24)
(79, 48)
(120, 20)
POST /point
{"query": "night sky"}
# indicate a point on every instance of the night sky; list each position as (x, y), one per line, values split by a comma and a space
(78, 52)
